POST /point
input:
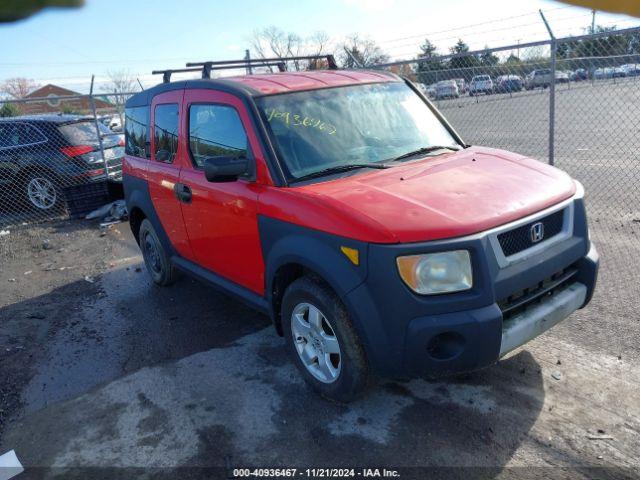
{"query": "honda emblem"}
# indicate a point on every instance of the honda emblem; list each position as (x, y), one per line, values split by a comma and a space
(537, 232)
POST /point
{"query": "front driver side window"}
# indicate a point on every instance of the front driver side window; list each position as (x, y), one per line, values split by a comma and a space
(214, 131)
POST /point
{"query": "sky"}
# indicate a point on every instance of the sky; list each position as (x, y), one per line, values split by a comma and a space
(67, 46)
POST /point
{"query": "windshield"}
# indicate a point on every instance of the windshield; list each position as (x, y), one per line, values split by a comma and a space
(319, 129)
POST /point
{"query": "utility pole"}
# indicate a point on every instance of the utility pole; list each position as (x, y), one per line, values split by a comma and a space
(593, 22)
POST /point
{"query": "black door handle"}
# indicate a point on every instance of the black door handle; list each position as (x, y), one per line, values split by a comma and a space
(183, 192)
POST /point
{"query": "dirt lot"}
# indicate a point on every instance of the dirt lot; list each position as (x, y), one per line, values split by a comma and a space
(102, 370)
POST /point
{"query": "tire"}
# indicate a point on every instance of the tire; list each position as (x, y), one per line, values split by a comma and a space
(40, 190)
(344, 373)
(156, 259)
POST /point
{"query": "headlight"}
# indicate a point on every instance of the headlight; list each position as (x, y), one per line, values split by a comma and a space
(433, 273)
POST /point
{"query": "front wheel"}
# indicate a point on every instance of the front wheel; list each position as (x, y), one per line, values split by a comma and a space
(322, 340)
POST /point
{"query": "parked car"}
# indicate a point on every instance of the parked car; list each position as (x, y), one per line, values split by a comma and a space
(346, 210)
(508, 83)
(462, 85)
(603, 73)
(540, 78)
(480, 84)
(631, 69)
(562, 76)
(579, 75)
(41, 154)
(619, 72)
(447, 89)
(115, 124)
(431, 90)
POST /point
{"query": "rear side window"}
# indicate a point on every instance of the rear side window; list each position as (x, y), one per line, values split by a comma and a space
(214, 131)
(83, 133)
(30, 135)
(9, 136)
(165, 132)
(19, 134)
(136, 125)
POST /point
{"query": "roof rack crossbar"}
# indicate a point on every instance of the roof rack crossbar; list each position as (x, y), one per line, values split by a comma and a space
(207, 68)
(331, 61)
(166, 74)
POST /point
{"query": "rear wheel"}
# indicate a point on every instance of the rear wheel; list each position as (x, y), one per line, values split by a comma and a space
(156, 259)
(41, 192)
(322, 341)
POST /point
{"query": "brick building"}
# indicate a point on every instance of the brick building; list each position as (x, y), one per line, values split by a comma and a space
(51, 103)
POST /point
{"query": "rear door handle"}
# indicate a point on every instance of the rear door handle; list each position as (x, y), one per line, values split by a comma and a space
(183, 192)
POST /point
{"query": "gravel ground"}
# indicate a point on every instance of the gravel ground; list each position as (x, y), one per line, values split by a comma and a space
(104, 374)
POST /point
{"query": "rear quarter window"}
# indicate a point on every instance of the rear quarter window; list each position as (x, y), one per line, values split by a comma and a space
(136, 131)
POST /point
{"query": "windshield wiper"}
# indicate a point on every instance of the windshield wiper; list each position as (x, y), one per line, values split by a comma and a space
(422, 151)
(340, 169)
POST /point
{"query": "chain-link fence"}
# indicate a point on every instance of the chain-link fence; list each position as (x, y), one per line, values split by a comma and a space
(60, 155)
(572, 102)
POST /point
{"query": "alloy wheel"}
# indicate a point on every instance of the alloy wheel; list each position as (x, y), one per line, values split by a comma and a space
(316, 342)
(42, 193)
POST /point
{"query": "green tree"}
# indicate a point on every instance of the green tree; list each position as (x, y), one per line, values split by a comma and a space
(462, 60)
(488, 59)
(68, 109)
(513, 59)
(428, 63)
(602, 46)
(10, 110)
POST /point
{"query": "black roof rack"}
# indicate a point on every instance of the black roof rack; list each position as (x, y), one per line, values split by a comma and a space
(206, 69)
(208, 66)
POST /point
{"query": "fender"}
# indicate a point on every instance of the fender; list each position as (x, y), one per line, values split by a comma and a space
(285, 243)
(136, 195)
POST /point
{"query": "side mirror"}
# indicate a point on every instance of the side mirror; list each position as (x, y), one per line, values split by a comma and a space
(163, 156)
(225, 169)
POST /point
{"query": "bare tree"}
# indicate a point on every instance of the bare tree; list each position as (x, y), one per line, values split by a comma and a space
(362, 51)
(274, 42)
(18, 87)
(121, 82)
(317, 44)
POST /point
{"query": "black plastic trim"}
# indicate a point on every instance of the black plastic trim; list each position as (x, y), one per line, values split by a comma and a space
(226, 286)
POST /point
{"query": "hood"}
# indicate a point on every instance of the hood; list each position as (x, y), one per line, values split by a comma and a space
(447, 196)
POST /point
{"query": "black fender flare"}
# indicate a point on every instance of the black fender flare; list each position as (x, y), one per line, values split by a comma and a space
(137, 195)
(318, 252)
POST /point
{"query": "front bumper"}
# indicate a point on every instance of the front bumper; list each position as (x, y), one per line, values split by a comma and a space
(411, 335)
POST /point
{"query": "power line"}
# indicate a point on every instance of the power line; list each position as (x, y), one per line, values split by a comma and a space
(492, 30)
(475, 25)
(560, 32)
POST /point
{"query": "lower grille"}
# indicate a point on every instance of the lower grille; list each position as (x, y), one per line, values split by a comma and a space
(520, 300)
(519, 239)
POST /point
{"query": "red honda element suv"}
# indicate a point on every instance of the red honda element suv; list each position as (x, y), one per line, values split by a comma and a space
(344, 206)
